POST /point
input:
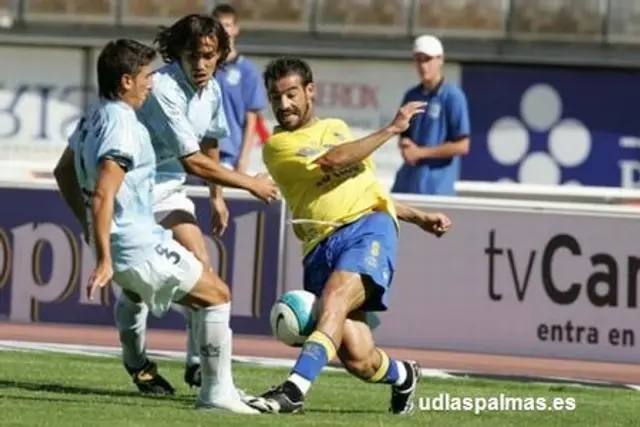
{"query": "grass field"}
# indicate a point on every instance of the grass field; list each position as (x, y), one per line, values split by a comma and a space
(49, 389)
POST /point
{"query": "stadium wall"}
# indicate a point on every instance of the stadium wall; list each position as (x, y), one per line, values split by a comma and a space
(530, 124)
(513, 277)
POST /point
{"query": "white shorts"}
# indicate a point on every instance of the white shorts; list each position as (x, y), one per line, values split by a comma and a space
(166, 276)
(175, 201)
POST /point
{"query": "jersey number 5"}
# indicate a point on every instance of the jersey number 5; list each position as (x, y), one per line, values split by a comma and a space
(170, 255)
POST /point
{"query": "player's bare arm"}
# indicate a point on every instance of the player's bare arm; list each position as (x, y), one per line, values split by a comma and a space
(219, 210)
(206, 168)
(65, 175)
(358, 150)
(210, 147)
(111, 175)
(432, 222)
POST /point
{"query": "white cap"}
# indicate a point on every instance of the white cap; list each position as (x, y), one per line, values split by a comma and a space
(429, 45)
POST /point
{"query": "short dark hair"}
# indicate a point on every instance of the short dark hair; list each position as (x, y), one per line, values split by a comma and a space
(287, 66)
(120, 57)
(186, 33)
(224, 9)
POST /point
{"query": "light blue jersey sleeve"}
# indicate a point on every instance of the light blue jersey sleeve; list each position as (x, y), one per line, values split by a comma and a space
(166, 112)
(117, 140)
(219, 127)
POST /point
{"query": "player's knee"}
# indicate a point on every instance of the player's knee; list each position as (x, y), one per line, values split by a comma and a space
(217, 294)
(129, 314)
(333, 307)
(211, 291)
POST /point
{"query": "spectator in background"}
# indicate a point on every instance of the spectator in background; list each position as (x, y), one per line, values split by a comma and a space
(434, 142)
(243, 97)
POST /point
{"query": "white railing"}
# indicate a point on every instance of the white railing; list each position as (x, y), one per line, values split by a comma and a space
(469, 194)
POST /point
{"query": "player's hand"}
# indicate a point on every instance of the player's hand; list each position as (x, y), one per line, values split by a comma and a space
(219, 216)
(404, 115)
(100, 277)
(264, 188)
(436, 223)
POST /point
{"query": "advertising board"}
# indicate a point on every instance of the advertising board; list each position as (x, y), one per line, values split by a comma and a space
(45, 264)
(552, 126)
(516, 282)
(507, 279)
(44, 90)
(41, 96)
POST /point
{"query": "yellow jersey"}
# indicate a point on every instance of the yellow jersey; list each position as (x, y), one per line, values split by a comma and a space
(321, 201)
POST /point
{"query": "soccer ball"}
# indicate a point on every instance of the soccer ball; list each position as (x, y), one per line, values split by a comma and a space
(293, 317)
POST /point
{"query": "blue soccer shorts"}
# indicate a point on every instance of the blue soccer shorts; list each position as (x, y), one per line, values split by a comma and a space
(367, 246)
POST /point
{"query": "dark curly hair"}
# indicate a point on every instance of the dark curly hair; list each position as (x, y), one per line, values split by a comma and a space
(185, 35)
(285, 66)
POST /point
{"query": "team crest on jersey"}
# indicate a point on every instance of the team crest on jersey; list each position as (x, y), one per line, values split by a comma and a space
(233, 76)
(434, 110)
(307, 152)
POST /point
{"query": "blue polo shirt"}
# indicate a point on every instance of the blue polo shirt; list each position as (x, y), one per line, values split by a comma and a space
(242, 92)
(445, 119)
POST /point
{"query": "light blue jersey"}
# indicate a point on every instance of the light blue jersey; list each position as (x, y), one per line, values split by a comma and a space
(178, 118)
(112, 131)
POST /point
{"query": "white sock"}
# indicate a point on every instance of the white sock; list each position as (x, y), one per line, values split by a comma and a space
(131, 321)
(402, 372)
(215, 352)
(191, 328)
(193, 348)
(302, 383)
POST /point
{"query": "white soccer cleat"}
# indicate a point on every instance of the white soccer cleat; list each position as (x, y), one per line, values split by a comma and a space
(245, 397)
(232, 402)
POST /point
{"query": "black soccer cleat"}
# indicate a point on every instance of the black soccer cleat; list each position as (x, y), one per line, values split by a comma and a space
(403, 396)
(149, 381)
(283, 399)
(193, 375)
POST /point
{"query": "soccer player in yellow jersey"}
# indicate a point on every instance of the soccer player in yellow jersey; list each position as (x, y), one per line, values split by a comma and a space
(349, 228)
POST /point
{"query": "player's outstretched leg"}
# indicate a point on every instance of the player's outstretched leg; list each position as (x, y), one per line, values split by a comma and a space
(131, 321)
(211, 297)
(343, 293)
(363, 359)
(350, 270)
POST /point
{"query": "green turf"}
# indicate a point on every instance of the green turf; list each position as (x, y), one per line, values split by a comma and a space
(46, 389)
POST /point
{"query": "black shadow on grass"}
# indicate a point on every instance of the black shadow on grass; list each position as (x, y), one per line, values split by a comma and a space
(66, 389)
(61, 400)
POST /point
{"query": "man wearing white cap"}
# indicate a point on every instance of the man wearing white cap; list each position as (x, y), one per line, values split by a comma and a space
(434, 142)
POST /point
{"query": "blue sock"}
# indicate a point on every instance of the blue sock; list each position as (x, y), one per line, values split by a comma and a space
(318, 350)
(390, 371)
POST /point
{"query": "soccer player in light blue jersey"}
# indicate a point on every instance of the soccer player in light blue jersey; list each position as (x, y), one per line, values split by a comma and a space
(115, 167)
(185, 118)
